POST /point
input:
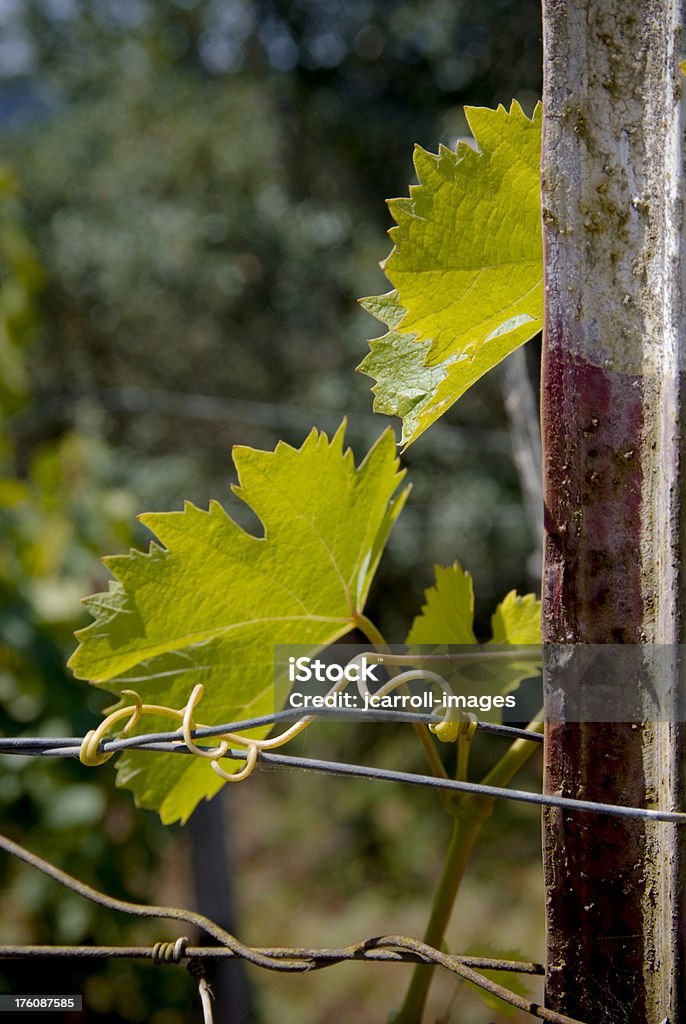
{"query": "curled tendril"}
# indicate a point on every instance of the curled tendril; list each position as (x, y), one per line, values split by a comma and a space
(90, 753)
(189, 725)
(253, 750)
(455, 722)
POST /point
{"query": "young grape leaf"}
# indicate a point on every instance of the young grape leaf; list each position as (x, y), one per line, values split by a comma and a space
(210, 605)
(517, 620)
(448, 615)
(405, 385)
(447, 618)
(466, 267)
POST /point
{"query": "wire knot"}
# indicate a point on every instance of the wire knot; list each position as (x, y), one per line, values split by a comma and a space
(196, 969)
(170, 952)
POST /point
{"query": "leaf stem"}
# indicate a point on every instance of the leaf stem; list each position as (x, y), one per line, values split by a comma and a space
(470, 814)
(464, 834)
(376, 637)
(463, 748)
(366, 626)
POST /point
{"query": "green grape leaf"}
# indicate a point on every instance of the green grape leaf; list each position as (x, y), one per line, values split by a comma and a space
(448, 615)
(405, 385)
(517, 620)
(466, 268)
(210, 604)
(447, 618)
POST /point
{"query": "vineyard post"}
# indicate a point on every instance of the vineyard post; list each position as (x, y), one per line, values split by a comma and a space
(612, 415)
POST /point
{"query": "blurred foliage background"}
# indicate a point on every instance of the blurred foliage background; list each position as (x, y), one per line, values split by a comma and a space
(191, 200)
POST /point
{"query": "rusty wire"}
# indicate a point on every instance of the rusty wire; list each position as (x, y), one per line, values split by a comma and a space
(321, 957)
(405, 949)
(378, 949)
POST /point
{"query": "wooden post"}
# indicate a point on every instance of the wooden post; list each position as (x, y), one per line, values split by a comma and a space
(612, 414)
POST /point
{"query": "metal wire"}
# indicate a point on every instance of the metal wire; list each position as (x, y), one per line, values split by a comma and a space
(291, 960)
(29, 744)
(321, 957)
(170, 742)
(389, 948)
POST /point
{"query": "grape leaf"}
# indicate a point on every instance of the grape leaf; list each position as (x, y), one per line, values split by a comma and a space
(210, 605)
(405, 385)
(517, 620)
(447, 618)
(448, 615)
(466, 267)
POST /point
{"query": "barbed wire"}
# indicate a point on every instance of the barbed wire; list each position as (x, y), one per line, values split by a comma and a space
(383, 948)
(170, 742)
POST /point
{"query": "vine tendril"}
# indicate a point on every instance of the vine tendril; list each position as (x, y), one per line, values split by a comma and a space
(455, 723)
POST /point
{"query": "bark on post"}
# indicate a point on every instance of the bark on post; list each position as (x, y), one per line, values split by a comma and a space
(612, 432)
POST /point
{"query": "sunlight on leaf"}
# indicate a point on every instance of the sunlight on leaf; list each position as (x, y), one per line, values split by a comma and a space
(210, 605)
(447, 618)
(466, 268)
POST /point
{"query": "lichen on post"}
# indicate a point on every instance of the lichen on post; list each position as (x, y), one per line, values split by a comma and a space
(612, 418)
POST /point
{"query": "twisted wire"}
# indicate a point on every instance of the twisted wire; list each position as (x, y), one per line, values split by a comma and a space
(290, 960)
(170, 742)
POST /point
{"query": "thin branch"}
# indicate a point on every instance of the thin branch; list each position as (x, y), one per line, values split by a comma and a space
(521, 405)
